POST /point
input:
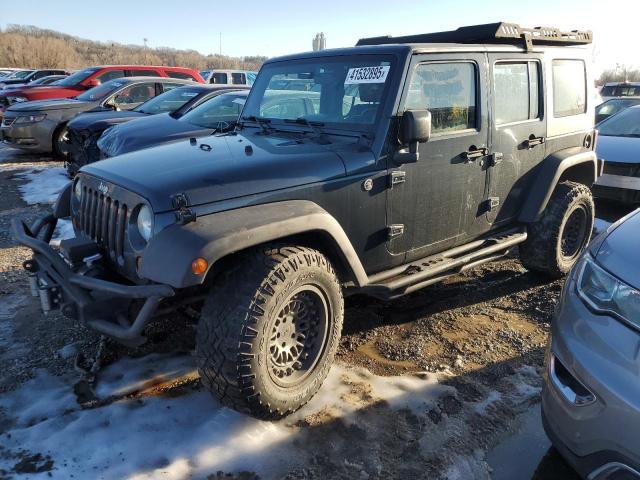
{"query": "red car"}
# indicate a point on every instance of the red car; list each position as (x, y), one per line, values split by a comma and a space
(90, 77)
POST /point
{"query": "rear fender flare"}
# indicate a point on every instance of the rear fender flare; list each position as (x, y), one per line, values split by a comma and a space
(169, 255)
(576, 164)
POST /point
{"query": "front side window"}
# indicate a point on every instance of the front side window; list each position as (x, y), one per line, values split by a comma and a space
(515, 87)
(339, 92)
(135, 94)
(569, 88)
(448, 91)
(218, 112)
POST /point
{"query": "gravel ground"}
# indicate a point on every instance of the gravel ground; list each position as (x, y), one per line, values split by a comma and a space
(483, 333)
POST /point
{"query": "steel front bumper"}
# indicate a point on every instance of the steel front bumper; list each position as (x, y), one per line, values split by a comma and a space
(78, 295)
(591, 394)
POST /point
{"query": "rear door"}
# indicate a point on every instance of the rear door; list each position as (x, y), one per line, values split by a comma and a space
(432, 197)
(518, 131)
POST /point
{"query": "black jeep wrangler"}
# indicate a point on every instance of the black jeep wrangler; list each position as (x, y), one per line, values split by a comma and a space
(404, 161)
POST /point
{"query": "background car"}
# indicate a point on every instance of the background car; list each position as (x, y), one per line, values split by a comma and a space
(613, 106)
(41, 125)
(93, 76)
(51, 79)
(231, 77)
(618, 147)
(590, 399)
(85, 129)
(620, 89)
(32, 76)
(216, 114)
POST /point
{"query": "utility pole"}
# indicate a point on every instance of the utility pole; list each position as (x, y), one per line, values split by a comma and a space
(145, 42)
(220, 43)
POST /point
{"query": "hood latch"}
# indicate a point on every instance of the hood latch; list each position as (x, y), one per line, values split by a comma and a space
(184, 214)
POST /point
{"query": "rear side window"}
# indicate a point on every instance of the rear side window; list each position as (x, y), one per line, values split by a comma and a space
(238, 78)
(144, 73)
(569, 88)
(448, 91)
(218, 77)
(110, 75)
(181, 75)
(516, 91)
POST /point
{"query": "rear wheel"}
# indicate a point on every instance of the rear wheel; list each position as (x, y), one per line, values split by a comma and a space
(269, 330)
(555, 242)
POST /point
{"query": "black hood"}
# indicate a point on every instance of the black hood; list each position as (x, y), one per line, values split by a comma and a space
(222, 167)
(147, 132)
(100, 121)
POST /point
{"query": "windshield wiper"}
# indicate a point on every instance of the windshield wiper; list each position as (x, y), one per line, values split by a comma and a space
(263, 122)
(313, 125)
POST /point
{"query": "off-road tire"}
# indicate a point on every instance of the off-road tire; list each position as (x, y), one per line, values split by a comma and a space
(235, 331)
(59, 133)
(543, 249)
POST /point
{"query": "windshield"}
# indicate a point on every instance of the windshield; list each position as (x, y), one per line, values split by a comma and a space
(624, 124)
(78, 77)
(169, 101)
(21, 74)
(340, 92)
(216, 112)
(101, 91)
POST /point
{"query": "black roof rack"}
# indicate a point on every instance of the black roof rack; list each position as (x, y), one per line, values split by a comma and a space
(501, 33)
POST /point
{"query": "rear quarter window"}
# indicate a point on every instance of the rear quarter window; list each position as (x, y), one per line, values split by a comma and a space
(181, 75)
(569, 88)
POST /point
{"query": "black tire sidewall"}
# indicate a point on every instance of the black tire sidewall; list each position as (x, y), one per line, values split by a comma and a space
(281, 398)
(564, 265)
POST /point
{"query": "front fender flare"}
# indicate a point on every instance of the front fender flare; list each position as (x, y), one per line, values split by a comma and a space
(550, 171)
(168, 257)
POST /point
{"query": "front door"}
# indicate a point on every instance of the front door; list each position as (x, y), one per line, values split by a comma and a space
(448, 179)
(518, 131)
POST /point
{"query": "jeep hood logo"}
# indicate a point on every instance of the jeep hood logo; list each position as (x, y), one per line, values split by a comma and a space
(103, 187)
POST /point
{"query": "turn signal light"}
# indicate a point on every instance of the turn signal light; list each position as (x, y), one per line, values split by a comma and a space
(199, 266)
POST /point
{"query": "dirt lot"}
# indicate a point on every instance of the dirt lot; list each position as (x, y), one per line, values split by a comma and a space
(425, 386)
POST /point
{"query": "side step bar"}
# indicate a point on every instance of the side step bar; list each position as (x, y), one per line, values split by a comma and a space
(410, 277)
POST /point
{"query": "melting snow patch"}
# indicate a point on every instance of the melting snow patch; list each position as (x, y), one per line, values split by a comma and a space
(179, 436)
(64, 230)
(43, 185)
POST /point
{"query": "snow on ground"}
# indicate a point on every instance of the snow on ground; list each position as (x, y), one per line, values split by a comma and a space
(43, 184)
(176, 436)
(64, 230)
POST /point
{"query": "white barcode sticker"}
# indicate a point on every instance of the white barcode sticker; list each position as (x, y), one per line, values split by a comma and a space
(367, 75)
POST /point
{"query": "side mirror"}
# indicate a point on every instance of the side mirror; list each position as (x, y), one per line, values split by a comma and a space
(94, 82)
(415, 128)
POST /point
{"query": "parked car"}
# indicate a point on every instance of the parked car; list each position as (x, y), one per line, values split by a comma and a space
(415, 160)
(613, 106)
(218, 112)
(620, 89)
(7, 72)
(41, 126)
(91, 77)
(619, 150)
(231, 77)
(590, 399)
(85, 129)
(33, 75)
(51, 79)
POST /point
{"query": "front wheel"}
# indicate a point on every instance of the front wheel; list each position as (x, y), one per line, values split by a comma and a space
(555, 242)
(269, 330)
(60, 142)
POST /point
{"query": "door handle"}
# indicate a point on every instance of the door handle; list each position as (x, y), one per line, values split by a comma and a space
(474, 153)
(532, 141)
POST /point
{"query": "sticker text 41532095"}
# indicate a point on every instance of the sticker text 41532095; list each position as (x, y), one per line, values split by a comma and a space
(367, 75)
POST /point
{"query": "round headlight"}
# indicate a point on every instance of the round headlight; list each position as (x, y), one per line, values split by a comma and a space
(77, 190)
(145, 222)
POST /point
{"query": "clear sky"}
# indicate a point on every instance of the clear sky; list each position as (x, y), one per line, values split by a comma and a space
(272, 28)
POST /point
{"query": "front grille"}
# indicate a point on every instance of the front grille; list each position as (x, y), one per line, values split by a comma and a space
(104, 220)
(8, 121)
(622, 169)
